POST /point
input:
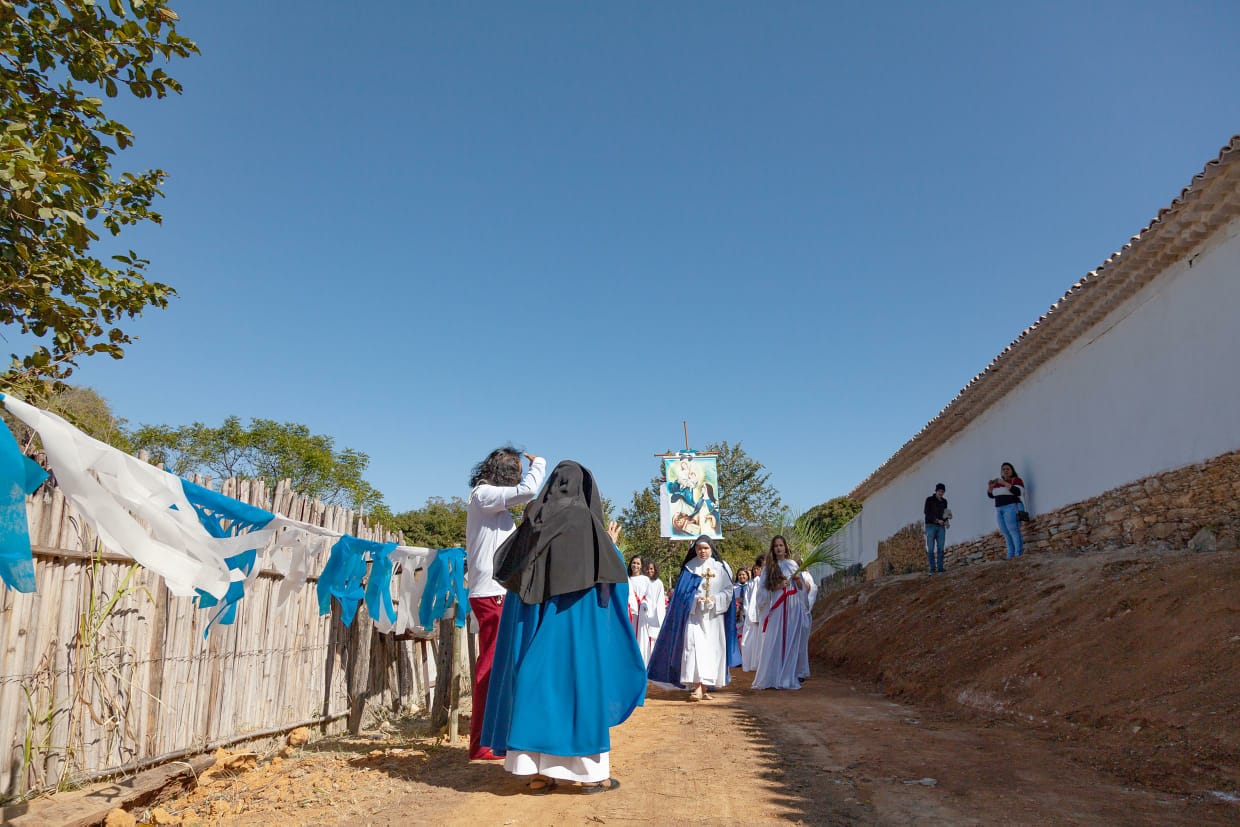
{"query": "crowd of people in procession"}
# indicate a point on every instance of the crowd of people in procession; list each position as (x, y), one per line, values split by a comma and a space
(569, 636)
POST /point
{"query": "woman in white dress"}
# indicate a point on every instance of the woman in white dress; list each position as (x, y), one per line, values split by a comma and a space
(783, 609)
(653, 610)
(639, 584)
(749, 621)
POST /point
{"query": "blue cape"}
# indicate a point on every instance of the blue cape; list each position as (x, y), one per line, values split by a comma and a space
(669, 648)
(565, 672)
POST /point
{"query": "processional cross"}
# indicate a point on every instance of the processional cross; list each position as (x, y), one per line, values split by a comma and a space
(707, 576)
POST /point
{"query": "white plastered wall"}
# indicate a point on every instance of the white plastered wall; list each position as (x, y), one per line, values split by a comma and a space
(1152, 387)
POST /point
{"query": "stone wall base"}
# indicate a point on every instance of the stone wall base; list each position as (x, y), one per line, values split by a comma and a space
(901, 553)
(1197, 506)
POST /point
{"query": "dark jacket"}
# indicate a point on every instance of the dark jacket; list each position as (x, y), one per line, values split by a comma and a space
(935, 510)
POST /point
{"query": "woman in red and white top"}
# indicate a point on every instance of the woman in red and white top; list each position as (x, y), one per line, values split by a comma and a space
(1006, 491)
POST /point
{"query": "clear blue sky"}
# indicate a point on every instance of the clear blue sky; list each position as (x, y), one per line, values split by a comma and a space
(429, 228)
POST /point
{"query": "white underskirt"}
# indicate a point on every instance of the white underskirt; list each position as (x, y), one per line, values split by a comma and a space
(584, 768)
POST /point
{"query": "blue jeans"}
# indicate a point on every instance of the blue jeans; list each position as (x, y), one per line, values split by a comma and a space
(1009, 526)
(936, 535)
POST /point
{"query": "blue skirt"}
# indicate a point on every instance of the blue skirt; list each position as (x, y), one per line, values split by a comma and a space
(565, 672)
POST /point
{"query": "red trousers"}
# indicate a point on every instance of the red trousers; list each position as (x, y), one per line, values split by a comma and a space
(487, 610)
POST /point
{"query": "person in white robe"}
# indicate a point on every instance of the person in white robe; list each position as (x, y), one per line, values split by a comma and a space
(639, 584)
(811, 594)
(704, 663)
(653, 611)
(783, 606)
(751, 632)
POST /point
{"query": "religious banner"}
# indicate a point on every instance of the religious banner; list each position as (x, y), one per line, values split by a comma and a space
(689, 499)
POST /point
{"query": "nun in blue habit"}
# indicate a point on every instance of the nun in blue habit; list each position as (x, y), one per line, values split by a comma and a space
(567, 667)
(697, 645)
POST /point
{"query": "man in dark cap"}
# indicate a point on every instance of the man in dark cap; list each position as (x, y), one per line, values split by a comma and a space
(937, 518)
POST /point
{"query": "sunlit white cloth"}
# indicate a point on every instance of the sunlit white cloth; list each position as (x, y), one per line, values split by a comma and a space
(586, 769)
(409, 584)
(144, 512)
(112, 491)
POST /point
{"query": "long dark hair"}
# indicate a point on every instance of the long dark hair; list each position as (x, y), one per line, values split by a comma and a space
(501, 467)
(647, 564)
(1009, 465)
(642, 570)
(775, 578)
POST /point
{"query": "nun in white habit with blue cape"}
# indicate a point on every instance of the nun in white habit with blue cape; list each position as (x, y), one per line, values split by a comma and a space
(567, 667)
(697, 645)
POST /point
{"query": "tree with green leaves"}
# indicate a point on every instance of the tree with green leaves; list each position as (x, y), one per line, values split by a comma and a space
(749, 505)
(59, 182)
(270, 450)
(438, 524)
(834, 514)
(81, 407)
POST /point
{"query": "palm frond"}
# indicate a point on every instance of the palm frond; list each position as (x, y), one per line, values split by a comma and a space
(810, 542)
(826, 553)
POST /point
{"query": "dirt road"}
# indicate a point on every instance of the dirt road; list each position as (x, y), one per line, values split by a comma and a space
(829, 754)
(1098, 688)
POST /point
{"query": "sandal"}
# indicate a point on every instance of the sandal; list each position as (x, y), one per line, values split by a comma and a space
(548, 784)
(601, 787)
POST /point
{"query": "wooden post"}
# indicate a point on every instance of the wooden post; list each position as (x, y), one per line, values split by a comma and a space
(443, 664)
(473, 660)
(454, 682)
(155, 653)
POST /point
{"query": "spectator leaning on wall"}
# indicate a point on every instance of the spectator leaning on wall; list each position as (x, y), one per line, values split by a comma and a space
(937, 517)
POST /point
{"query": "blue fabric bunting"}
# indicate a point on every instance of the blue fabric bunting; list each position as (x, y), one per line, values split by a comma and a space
(213, 509)
(342, 578)
(244, 563)
(19, 476)
(445, 585)
(223, 517)
(379, 584)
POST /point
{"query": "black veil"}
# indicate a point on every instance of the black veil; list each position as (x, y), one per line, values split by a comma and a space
(714, 552)
(562, 545)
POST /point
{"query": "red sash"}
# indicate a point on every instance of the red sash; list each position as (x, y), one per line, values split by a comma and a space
(783, 598)
(633, 617)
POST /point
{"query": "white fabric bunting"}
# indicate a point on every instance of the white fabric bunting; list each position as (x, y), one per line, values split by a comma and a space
(116, 493)
(112, 490)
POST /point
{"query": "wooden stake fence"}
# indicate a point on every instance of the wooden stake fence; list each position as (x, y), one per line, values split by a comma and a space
(102, 668)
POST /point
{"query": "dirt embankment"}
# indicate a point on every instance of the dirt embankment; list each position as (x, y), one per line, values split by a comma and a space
(1130, 659)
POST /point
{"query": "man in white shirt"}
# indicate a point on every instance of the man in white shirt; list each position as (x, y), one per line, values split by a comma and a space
(497, 486)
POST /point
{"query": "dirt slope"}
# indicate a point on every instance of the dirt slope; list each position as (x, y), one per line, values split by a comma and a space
(1131, 657)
